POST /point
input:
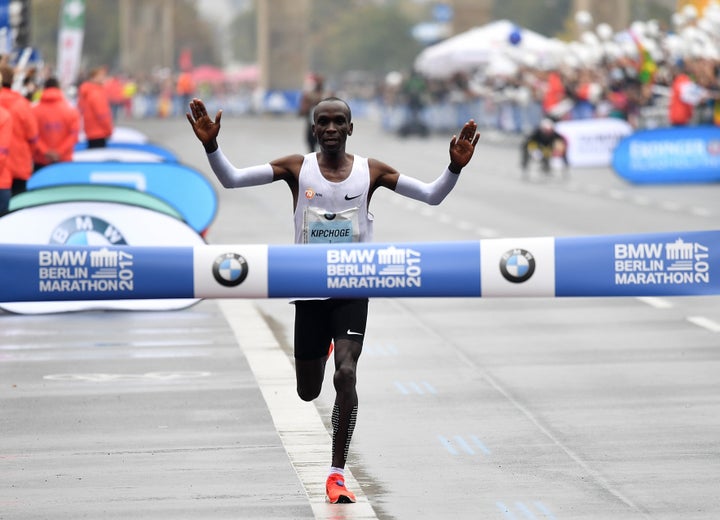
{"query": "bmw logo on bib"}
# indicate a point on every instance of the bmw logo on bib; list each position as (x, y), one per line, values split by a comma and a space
(517, 265)
(230, 269)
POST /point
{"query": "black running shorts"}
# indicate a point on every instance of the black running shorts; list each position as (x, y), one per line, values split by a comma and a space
(317, 322)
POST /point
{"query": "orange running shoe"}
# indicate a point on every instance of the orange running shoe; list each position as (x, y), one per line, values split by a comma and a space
(332, 347)
(336, 491)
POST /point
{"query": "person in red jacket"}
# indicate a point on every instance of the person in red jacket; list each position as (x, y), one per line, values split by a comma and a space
(688, 91)
(95, 110)
(5, 175)
(58, 125)
(24, 130)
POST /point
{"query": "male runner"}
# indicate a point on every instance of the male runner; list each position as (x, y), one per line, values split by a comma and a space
(337, 184)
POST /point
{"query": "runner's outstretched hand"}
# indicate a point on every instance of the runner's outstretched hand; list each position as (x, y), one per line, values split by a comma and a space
(205, 128)
(462, 147)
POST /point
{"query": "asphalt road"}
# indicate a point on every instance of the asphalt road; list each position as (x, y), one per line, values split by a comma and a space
(517, 408)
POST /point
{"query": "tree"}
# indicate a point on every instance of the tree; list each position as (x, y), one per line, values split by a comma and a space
(102, 32)
(243, 36)
(546, 17)
(367, 37)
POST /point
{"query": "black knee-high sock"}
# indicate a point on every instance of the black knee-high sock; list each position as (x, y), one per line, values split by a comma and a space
(336, 427)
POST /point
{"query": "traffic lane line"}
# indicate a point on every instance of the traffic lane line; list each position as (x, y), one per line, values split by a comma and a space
(299, 425)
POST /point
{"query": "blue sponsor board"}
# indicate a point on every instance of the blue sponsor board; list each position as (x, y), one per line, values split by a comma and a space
(669, 155)
(6, 44)
(363, 270)
(282, 101)
(154, 149)
(663, 264)
(61, 273)
(187, 190)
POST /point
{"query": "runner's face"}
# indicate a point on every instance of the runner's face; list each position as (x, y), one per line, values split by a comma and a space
(332, 125)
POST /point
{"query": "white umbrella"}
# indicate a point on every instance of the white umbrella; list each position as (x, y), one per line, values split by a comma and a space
(478, 47)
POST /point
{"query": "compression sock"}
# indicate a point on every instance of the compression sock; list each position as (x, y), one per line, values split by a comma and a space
(349, 431)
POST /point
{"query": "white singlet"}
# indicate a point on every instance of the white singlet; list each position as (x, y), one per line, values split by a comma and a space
(333, 211)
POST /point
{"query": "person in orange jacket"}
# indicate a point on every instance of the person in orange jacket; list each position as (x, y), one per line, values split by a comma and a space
(24, 130)
(184, 90)
(58, 125)
(5, 175)
(95, 111)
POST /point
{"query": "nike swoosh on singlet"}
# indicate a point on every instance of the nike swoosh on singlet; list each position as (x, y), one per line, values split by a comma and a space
(347, 197)
(352, 332)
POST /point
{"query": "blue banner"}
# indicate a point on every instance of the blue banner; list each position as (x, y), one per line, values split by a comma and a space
(674, 264)
(669, 155)
(6, 44)
(363, 270)
(660, 264)
(160, 151)
(184, 188)
(60, 273)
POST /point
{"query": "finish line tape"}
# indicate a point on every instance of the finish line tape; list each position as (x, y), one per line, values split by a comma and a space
(659, 264)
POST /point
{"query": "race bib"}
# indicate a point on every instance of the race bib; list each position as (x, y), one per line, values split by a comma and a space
(324, 227)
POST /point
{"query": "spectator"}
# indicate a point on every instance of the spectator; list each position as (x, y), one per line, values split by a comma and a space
(58, 125)
(94, 106)
(185, 90)
(25, 131)
(114, 89)
(311, 96)
(6, 179)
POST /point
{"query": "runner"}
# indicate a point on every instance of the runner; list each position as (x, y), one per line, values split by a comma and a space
(331, 192)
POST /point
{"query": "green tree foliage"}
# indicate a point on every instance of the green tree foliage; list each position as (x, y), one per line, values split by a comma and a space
(195, 33)
(546, 17)
(243, 31)
(102, 32)
(369, 37)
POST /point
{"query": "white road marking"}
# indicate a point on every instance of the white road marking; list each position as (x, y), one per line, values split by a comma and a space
(657, 303)
(299, 425)
(705, 323)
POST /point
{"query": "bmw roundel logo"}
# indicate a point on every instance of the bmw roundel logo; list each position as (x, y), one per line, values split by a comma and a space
(230, 269)
(86, 230)
(517, 265)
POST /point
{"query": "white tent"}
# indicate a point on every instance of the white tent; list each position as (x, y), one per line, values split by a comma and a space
(498, 44)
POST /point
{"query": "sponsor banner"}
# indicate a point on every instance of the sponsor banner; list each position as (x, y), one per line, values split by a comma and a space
(103, 225)
(6, 43)
(663, 264)
(57, 273)
(282, 101)
(670, 155)
(115, 154)
(363, 270)
(184, 188)
(231, 271)
(666, 264)
(518, 267)
(591, 141)
(121, 134)
(70, 41)
(93, 193)
(115, 151)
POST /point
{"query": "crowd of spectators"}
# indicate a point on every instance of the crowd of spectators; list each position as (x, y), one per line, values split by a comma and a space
(513, 103)
(517, 102)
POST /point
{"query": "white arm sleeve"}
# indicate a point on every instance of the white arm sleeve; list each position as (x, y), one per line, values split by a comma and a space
(432, 193)
(231, 177)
